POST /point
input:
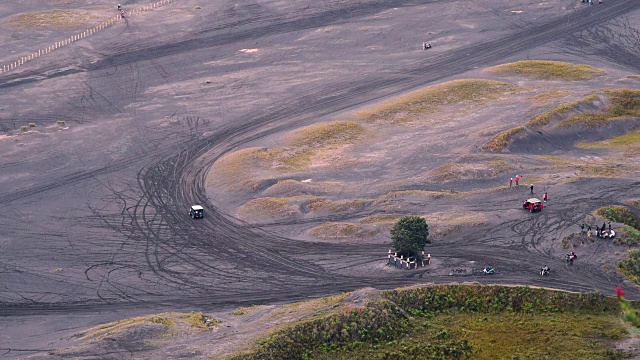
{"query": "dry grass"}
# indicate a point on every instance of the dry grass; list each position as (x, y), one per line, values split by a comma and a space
(622, 103)
(547, 97)
(341, 230)
(630, 77)
(273, 208)
(324, 205)
(105, 330)
(544, 118)
(426, 101)
(305, 308)
(501, 141)
(416, 193)
(546, 70)
(53, 18)
(290, 187)
(197, 321)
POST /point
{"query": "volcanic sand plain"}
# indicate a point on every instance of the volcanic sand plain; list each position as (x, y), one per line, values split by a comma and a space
(305, 129)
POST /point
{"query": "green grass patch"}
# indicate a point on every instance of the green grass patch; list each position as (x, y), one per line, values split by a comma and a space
(454, 322)
(627, 237)
(427, 101)
(546, 70)
(620, 214)
(631, 266)
(626, 141)
(501, 141)
(544, 118)
(622, 103)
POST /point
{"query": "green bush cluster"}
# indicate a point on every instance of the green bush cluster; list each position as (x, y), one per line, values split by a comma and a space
(452, 350)
(380, 321)
(631, 266)
(620, 214)
(627, 237)
(477, 298)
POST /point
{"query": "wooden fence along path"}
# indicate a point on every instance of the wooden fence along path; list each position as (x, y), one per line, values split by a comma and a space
(58, 44)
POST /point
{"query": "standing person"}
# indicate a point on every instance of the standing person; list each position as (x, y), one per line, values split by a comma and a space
(609, 227)
(517, 179)
(510, 182)
(545, 197)
(603, 227)
(582, 229)
(531, 187)
(119, 7)
(122, 14)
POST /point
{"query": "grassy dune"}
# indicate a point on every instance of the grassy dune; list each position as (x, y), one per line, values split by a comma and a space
(273, 208)
(544, 118)
(622, 103)
(501, 141)
(425, 101)
(248, 169)
(457, 322)
(546, 70)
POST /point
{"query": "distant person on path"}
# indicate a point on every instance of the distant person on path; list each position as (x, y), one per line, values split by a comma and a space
(517, 179)
(582, 229)
(545, 197)
(120, 7)
(604, 227)
(609, 227)
(122, 14)
(510, 182)
(531, 187)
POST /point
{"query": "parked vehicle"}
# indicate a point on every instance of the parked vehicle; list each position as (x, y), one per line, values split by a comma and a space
(196, 211)
(532, 205)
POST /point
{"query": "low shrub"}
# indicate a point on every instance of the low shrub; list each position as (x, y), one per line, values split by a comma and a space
(24, 128)
(478, 298)
(60, 122)
(620, 214)
(32, 124)
(631, 266)
(627, 237)
(380, 321)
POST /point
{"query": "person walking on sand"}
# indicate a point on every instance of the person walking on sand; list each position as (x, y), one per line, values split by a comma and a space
(582, 229)
(517, 180)
(545, 197)
(609, 227)
(510, 182)
(531, 187)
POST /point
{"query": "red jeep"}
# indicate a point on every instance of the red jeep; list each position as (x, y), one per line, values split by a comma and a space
(532, 205)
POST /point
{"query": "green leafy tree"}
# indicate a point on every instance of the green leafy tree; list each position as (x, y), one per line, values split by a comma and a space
(410, 234)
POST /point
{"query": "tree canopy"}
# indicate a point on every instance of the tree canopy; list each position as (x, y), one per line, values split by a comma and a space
(410, 235)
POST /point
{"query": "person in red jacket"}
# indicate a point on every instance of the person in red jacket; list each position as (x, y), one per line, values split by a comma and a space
(545, 197)
(517, 179)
